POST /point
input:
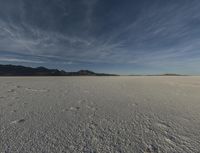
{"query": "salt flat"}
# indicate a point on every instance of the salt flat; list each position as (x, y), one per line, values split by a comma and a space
(100, 114)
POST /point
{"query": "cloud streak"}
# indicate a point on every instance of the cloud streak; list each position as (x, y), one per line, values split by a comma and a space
(4, 59)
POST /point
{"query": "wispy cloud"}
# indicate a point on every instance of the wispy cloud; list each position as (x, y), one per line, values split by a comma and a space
(4, 59)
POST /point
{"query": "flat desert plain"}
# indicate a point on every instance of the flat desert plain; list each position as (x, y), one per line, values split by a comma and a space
(100, 114)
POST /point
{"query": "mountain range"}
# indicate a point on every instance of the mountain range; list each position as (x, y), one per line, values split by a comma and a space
(15, 70)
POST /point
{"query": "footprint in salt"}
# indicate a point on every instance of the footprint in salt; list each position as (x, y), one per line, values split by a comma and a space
(71, 109)
(134, 104)
(18, 121)
(18, 86)
(162, 125)
(37, 90)
(170, 139)
(74, 108)
(11, 90)
(14, 111)
(91, 108)
(82, 101)
(151, 149)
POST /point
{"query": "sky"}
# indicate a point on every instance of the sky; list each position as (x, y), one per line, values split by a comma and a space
(114, 36)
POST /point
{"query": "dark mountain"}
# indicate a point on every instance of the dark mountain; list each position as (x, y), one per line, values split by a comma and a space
(13, 70)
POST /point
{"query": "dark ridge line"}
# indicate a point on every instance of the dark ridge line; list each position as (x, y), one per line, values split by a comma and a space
(18, 70)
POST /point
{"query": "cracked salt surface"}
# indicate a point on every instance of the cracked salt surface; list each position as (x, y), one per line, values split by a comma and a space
(100, 114)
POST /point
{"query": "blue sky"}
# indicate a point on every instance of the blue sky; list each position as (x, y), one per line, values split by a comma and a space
(125, 37)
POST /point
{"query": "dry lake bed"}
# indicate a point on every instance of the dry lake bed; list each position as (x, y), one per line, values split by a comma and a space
(100, 114)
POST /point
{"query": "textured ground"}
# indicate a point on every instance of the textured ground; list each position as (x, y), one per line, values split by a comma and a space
(100, 114)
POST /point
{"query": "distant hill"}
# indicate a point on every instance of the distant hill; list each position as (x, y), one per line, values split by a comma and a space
(13, 70)
(172, 74)
(167, 74)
